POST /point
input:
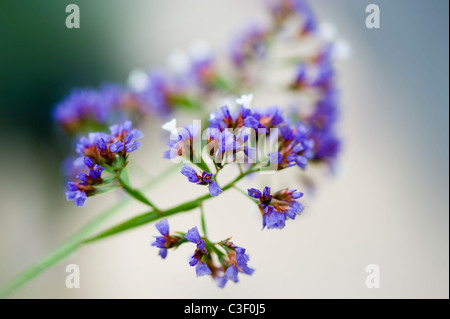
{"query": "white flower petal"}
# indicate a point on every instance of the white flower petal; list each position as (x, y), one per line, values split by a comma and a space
(171, 127)
(245, 100)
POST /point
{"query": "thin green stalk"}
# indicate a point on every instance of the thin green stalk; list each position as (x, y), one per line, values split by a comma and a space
(136, 194)
(202, 218)
(74, 242)
(245, 194)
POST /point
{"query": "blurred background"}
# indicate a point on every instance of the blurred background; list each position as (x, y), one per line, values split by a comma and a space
(386, 205)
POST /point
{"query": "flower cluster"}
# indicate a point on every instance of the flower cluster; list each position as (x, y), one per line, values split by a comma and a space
(78, 191)
(165, 241)
(203, 179)
(231, 258)
(238, 134)
(97, 152)
(282, 10)
(230, 138)
(88, 108)
(249, 46)
(276, 208)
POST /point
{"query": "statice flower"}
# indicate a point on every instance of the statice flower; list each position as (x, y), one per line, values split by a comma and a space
(124, 135)
(165, 241)
(203, 179)
(223, 118)
(296, 147)
(203, 66)
(86, 186)
(181, 141)
(281, 10)
(153, 91)
(107, 148)
(235, 263)
(265, 119)
(321, 124)
(276, 208)
(201, 268)
(317, 76)
(87, 108)
(224, 146)
(99, 151)
(249, 46)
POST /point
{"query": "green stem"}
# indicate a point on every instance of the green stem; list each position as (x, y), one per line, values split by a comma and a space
(245, 194)
(136, 194)
(74, 242)
(202, 218)
(153, 215)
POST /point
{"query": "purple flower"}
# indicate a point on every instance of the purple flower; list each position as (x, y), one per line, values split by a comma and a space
(75, 194)
(79, 191)
(154, 92)
(86, 106)
(235, 263)
(223, 119)
(88, 146)
(194, 237)
(183, 144)
(201, 268)
(249, 46)
(275, 209)
(124, 134)
(296, 147)
(269, 118)
(283, 9)
(223, 146)
(165, 241)
(204, 179)
(321, 124)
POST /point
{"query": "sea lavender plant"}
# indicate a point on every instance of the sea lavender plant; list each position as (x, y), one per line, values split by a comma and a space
(237, 134)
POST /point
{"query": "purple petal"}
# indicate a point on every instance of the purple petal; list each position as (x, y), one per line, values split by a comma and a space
(163, 253)
(231, 273)
(251, 122)
(163, 227)
(190, 173)
(214, 189)
(193, 261)
(80, 198)
(221, 282)
(128, 138)
(247, 270)
(82, 177)
(193, 236)
(301, 161)
(131, 147)
(201, 245)
(253, 192)
(201, 269)
(116, 147)
(88, 162)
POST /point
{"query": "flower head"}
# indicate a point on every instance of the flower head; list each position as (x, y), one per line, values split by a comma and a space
(249, 45)
(84, 108)
(79, 191)
(201, 268)
(99, 151)
(276, 208)
(183, 144)
(203, 179)
(295, 146)
(235, 263)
